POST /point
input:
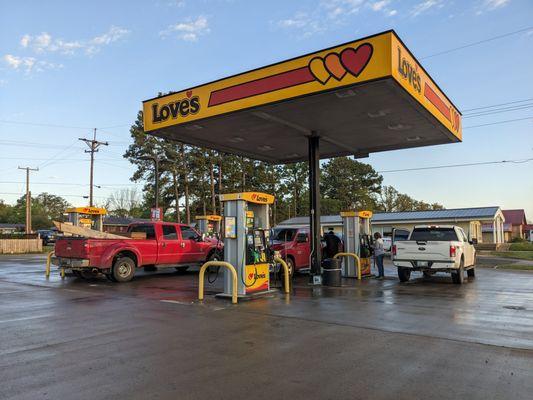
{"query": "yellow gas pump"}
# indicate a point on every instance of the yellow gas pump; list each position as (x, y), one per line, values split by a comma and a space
(209, 224)
(246, 242)
(357, 240)
(87, 217)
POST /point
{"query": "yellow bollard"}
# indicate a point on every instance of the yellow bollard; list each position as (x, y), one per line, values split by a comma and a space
(285, 273)
(218, 264)
(48, 262)
(62, 273)
(358, 261)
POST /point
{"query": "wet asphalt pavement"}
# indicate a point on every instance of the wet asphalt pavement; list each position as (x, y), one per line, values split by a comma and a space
(151, 338)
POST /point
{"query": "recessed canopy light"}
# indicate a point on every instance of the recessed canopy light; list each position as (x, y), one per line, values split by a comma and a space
(399, 127)
(413, 138)
(378, 114)
(265, 147)
(194, 127)
(236, 139)
(292, 155)
(345, 93)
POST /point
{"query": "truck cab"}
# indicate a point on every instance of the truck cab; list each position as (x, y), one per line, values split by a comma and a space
(294, 246)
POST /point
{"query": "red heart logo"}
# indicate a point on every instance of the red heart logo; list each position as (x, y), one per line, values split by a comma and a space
(356, 60)
(189, 93)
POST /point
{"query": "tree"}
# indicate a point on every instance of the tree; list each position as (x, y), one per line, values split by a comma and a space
(354, 185)
(125, 203)
(390, 200)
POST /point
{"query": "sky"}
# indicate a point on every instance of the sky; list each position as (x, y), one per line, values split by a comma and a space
(67, 67)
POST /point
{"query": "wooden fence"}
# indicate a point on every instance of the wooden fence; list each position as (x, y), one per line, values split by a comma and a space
(18, 246)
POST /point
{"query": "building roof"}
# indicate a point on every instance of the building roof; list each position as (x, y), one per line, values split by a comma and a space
(478, 213)
(515, 217)
(11, 226)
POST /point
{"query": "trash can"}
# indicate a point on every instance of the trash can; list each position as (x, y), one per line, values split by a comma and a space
(331, 275)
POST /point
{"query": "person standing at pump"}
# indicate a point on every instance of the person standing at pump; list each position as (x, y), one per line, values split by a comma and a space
(332, 244)
(379, 254)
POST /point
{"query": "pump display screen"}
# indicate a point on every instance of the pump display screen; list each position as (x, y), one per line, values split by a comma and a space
(230, 227)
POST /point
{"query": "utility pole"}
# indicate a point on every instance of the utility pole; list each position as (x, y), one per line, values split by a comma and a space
(28, 197)
(93, 148)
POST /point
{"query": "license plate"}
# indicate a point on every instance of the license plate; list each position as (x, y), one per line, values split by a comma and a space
(422, 263)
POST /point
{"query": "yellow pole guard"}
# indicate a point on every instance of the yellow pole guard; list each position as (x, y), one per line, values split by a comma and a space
(218, 264)
(48, 262)
(285, 273)
(356, 257)
(62, 273)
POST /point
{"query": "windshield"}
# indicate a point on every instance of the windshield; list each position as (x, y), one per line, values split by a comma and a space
(434, 234)
(284, 234)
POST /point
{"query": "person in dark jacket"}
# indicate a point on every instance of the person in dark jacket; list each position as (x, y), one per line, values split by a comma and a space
(332, 244)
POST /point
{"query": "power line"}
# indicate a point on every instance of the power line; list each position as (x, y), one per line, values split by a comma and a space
(497, 122)
(498, 111)
(477, 43)
(42, 124)
(110, 185)
(458, 165)
(496, 105)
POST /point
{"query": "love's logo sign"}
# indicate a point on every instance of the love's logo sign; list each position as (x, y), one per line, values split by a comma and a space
(349, 61)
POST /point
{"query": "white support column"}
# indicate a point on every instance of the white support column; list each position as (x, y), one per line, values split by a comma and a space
(494, 238)
(502, 233)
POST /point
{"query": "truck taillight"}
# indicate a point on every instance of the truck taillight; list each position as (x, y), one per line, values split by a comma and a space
(452, 251)
(394, 250)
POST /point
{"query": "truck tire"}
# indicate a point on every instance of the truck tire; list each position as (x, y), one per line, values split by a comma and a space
(123, 269)
(404, 274)
(458, 276)
(471, 272)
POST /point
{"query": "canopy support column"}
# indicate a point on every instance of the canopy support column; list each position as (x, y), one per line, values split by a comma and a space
(314, 208)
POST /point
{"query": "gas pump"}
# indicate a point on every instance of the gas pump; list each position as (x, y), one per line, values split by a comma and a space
(87, 217)
(209, 225)
(357, 240)
(246, 242)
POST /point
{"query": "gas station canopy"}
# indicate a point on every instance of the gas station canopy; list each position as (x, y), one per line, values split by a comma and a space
(360, 97)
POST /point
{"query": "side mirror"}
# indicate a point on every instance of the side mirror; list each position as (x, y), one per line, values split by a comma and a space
(302, 239)
(473, 241)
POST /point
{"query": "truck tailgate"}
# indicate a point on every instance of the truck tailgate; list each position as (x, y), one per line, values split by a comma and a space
(422, 251)
(71, 247)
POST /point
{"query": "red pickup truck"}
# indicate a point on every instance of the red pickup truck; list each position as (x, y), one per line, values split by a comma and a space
(294, 246)
(166, 245)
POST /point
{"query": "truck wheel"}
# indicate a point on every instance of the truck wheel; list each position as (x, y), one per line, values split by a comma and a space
(123, 269)
(404, 274)
(110, 277)
(427, 274)
(471, 272)
(459, 275)
(215, 256)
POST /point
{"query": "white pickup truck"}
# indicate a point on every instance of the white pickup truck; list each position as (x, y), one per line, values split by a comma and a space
(433, 249)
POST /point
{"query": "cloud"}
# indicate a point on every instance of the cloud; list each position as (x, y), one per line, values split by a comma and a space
(379, 5)
(45, 43)
(425, 6)
(326, 15)
(491, 5)
(189, 30)
(28, 64)
(494, 4)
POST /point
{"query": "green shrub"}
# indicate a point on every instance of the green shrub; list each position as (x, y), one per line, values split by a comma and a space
(525, 246)
(518, 240)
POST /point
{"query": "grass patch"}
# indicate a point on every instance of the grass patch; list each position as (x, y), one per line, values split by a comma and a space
(520, 267)
(520, 255)
(524, 246)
